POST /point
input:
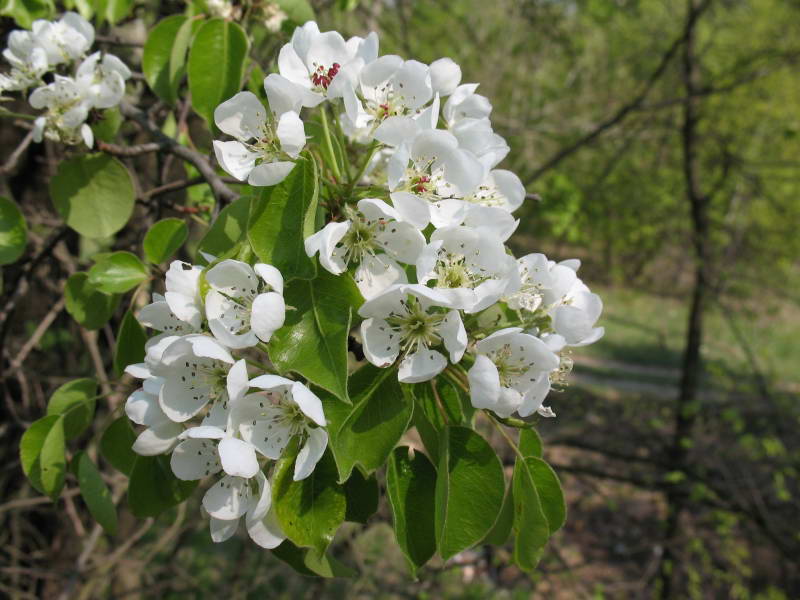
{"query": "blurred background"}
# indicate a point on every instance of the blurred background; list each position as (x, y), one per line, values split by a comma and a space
(659, 141)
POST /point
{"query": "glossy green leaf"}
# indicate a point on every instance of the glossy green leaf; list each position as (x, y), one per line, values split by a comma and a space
(94, 194)
(113, 11)
(531, 530)
(378, 418)
(153, 488)
(116, 445)
(131, 338)
(530, 444)
(25, 12)
(283, 217)
(217, 59)
(76, 401)
(13, 232)
(551, 496)
(498, 535)
(106, 128)
(410, 486)
(362, 496)
(228, 229)
(164, 238)
(42, 453)
(118, 272)
(469, 490)
(313, 340)
(164, 56)
(88, 306)
(309, 511)
(96, 494)
(309, 562)
(438, 404)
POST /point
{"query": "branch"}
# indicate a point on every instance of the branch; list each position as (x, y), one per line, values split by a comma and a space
(623, 112)
(12, 161)
(222, 192)
(138, 150)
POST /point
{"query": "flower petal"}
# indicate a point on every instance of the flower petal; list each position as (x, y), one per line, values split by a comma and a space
(242, 116)
(310, 453)
(228, 499)
(222, 530)
(195, 459)
(484, 383)
(291, 133)
(381, 342)
(157, 439)
(267, 315)
(238, 458)
(309, 403)
(235, 159)
(271, 173)
(454, 335)
(423, 365)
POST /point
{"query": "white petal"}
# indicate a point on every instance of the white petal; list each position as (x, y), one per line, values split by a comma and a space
(454, 335)
(157, 439)
(236, 160)
(268, 315)
(448, 212)
(376, 273)
(238, 458)
(396, 130)
(237, 381)
(292, 67)
(381, 342)
(403, 241)
(423, 365)
(138, 370)
(259, 509)
(204, 432)
(221, 330)
(492, 219)
(195, 459)
(266, 532)
(445, 76)
(208, 347)
(412, 208)
(267, 174)
(160, 317)
(270, 275)
(310, 453)
(270, 382)
(228, 499)
(324, 242)
(380, 70)
(308, 403)
(222, 530)
(484, 383)
(242, 116)
(270, 434)
(282, 94)
(412, 83)
(291, 133)
(535, 395)
(143, 409)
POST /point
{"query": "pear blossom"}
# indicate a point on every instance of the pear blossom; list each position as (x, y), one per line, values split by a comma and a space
(464, 103)
(244, 304)
(478, 137)
(375, 239)
(103, 78)
(28, 62)
(67, 108)
(266, 145)
(64, 40)
(179, 311)
(467, 266)
(445, 76)
(511, 372)
(161, 433)
(411, 320)
(287, 410)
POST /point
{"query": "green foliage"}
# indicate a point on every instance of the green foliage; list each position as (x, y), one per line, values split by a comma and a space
(469, 490)
(411, 485)
(88, 306)
(13, 232)
(25, 12)
(164, 239)
(531, 529)
(164, 56)
(217, 58)
(153, 488)
(115, 445)
(131, 339)
(362, 496)
(75, 401)
(112, 11)
(228, 229)
(117, 273)
(42, 454)
(93, 194)
(530, 444)
(96, 494)
(106, 128)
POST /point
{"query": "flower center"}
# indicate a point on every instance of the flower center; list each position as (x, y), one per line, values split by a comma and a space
(322, 77)
(452, 271)
(416, 326)
(486, 195)
(510, 368)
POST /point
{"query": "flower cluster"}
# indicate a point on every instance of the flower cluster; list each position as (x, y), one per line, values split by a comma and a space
(429, 254)
(53, 47)
(198, 402)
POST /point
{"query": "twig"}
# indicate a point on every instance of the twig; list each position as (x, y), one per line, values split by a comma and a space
(12, 161)
(137, 150)
(42, 328)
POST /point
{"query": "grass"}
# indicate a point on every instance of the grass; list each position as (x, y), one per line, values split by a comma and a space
(646, 329)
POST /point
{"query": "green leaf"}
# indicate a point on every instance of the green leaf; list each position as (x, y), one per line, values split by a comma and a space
(13, 232)
(501, 529)
(117, 273)
(469, 490)
(431, 417)
(164, 239)
(362, 497)
(551, 496)
(94, 194)
(309, 562)
(530, 444)
(216, 65)
(164, 56)
(531, 530)
(113, 11)
(88, 306)
(131, 339)
(107, 127)
(25, 12)
(309, 511)
(96, 495)
(116, 445)
(153, 488)
(379, 416)
(42, 453)
(76, 401)
(283, 217)
(297, 11)
(313, 340)
(228, 230)
(411, 485)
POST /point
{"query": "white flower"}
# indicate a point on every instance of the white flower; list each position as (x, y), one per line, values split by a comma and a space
(424, 174)
(28, 62)
(244, 304)
(575, 318)
(290, 410)
(469, 267)
(267, 144)
(490, 205)
(194, 369)
(445, 76)
(64, 40)
(393, 87)
(464, 103)
(511, 372)
(67, 108)
(477, 136)
(161, 434)
(374, 238)
(179, 310)
(411, 319)
(323, 65)
(103, 79)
